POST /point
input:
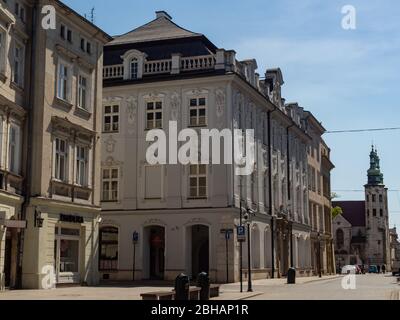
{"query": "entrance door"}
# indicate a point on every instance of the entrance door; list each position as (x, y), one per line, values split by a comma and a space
(200, 250)
(157, 253)
(67, 254)
(7, 260)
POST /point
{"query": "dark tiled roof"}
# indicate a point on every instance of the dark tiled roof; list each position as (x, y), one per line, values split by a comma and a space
(158, 50)
(161, 28)
(353, 211)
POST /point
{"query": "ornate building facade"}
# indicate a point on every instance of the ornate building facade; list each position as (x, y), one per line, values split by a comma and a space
(161, 220)
(50, 94)
(362, 232)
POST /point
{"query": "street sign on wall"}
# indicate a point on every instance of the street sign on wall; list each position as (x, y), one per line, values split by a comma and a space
(241, 233)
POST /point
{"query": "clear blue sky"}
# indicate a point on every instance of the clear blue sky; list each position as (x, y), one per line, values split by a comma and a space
(348, 79)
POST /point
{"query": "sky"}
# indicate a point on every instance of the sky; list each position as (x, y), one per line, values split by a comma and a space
(349, 79)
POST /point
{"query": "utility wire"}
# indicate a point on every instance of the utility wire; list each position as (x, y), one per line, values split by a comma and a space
(362, 130)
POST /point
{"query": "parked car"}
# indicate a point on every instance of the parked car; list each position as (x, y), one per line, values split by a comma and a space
(373, 269)
(349, 269)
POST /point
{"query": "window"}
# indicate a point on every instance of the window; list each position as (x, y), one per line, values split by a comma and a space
(380, 198)
(374, 212)
(61, 159)
(86, 46)
(154, 115)
(3, 52)
(111, 118)
(62, 31)
(69, 35)
(381, 212)
(82, 156)
(63, 82)
(83, 95)
(198, 181)
(14, 148)
(367, 198)
(18, 70)
(65, 33)
(108, 259)
(373, 198)
(198, 113)
(110, 184)
(339, 238)
(134, 69)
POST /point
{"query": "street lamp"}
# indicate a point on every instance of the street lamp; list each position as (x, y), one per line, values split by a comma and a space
(319, 256)
(247, 218)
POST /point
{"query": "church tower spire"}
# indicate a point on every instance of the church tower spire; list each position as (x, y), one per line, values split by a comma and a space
(375, 176)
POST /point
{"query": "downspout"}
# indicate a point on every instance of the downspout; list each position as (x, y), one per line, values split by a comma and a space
(29, 135)
(271, 213)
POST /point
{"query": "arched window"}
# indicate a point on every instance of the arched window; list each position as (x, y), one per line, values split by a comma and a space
(108, 259)
(339, 238)
(134, 68)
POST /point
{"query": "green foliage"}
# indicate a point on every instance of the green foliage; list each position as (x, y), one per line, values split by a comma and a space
(336, 211)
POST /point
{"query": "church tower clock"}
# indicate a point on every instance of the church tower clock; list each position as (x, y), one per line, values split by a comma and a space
(377, 215)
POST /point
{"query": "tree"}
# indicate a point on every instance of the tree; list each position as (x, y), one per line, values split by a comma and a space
(336, 211)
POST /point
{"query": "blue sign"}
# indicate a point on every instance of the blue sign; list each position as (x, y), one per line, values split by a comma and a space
(241, 233)
(135, 237)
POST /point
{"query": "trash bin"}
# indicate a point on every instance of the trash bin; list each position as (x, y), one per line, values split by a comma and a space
(291, 277)
(203, 282)
(182, 287)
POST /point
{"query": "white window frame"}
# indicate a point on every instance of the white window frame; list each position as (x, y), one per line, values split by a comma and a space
(111, 115)
(18, 76)
(3, 49)
(110, 195)
(67, 78)
(154, 123)
(197, 107)
(87, 88)
(198, 175)
(14, 149)
(82, 165)
(134, 68)
(58, 154)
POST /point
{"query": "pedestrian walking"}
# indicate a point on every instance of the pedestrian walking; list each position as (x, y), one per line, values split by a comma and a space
(379, 268)
(383, 269)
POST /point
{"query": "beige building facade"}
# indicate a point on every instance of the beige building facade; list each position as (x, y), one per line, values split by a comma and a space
(320, 206)
(61, 182)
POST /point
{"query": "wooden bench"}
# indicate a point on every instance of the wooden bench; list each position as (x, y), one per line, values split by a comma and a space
(159, 295)
(214, 290)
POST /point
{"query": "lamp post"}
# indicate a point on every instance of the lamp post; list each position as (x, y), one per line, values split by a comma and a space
(241, 247)
(319, 256)
(247, 218)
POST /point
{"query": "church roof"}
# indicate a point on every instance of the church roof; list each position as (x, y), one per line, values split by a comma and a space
(353, 212)
(162, 28)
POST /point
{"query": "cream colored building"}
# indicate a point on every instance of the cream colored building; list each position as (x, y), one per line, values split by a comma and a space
(319, 176)
(14, 31)
(63, 94)
(159, 73)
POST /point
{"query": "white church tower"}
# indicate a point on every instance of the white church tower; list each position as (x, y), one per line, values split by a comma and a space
(377, 215)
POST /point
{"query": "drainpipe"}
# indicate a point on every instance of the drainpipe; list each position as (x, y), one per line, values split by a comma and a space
(29, 135)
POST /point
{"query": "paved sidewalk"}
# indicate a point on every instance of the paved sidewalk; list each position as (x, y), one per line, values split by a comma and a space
(119, 291)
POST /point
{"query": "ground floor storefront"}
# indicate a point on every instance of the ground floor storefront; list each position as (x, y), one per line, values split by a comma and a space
(60, 245)
(161, 244)
(10, 228)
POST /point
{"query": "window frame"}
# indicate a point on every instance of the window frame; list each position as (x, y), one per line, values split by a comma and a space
(58, 154)
(198, 176)
(110, 180)
(198, 108)
(67, 78)
(87, 89)
(154, 111)
(111, 115)
(80, 180)
(14, 157)
(20, 61)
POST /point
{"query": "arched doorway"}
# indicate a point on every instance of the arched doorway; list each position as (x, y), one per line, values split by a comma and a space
(154, 253)
(199, 236)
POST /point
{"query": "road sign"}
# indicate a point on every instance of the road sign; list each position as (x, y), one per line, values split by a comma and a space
(227, 233)
(241, 233)
(135, 237)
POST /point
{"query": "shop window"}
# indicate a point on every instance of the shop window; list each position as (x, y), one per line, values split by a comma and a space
(108, 249)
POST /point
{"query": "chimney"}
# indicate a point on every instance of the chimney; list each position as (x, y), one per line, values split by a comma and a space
(160, 14)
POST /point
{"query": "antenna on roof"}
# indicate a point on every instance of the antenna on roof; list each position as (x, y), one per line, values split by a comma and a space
(92, 15)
